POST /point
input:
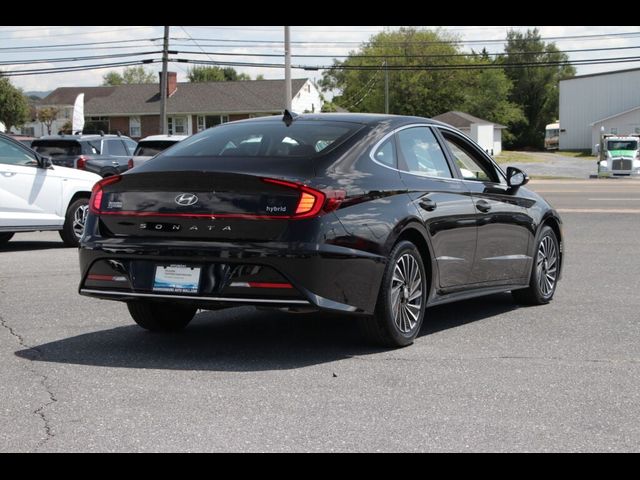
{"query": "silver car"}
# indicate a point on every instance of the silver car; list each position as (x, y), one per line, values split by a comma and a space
(149, 147)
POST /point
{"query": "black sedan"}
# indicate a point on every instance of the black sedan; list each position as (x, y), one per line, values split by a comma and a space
(379, 216)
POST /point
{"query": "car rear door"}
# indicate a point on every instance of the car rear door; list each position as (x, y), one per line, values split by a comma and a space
(504, 226)
(442, 201)
(30, 196)
(117, 150)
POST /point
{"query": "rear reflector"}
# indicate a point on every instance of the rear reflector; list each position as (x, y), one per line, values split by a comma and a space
(107, 278)
(260, 285)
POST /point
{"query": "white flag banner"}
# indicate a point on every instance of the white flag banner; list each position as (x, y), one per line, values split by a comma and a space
(78, 114)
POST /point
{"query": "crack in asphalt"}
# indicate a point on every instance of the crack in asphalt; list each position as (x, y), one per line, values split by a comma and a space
(44, 381)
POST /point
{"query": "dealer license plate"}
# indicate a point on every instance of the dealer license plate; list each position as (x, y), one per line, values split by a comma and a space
(176, 279)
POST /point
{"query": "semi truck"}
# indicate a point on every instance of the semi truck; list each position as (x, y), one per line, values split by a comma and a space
(618, 155)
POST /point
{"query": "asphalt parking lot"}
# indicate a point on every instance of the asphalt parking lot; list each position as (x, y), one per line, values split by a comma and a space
(484, 375)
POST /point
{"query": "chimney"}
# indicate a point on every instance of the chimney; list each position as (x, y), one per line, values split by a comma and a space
(172, 82)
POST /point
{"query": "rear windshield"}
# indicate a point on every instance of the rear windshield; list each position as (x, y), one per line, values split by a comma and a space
(266, 139)
(54, 148)
(152, 147)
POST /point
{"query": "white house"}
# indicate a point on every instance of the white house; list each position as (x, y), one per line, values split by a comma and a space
(588, 102)
(486, 134)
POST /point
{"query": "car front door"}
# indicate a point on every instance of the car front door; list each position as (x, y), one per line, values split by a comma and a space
(442, 201)
(30, 196)
(504, 227)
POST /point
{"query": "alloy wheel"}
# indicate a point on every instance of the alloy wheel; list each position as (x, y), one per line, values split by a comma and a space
(406, 293)
(79, 219)
(547, 265)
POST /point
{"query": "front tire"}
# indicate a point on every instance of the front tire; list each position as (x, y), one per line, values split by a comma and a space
(74, 222)
(5, 237)
(402, 299)
(160, 317)
(544, 274)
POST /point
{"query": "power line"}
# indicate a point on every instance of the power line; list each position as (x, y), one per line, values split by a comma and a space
(77, 68)
(30, 47)
(78, 59)
(75, 34)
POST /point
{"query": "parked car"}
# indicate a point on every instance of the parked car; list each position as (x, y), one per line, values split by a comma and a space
(105, 155)
(150, 146)
(35, 196)
(375, 215)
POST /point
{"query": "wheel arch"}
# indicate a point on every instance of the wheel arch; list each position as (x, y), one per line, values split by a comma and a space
(415, 233)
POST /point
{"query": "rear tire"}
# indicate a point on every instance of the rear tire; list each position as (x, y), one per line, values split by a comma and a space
(160, 317)
(402, 299)
(544, 273)
(5, 237)
(74, 222)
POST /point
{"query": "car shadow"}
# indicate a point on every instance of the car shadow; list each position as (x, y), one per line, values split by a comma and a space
(21, 246)
(245, 339)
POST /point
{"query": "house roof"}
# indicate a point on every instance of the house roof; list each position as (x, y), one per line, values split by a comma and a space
(463, 120)
(614, 116)
(210, 97)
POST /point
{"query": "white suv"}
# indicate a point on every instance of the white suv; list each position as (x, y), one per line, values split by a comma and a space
(35, 196)
(149, 147)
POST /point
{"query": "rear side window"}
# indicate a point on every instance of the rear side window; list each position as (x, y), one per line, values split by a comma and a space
(57, 148)
(116, 148)
(151, 148)
(420, 153)
(266, 139)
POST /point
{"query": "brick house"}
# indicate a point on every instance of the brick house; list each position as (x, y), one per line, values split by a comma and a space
(134, 110)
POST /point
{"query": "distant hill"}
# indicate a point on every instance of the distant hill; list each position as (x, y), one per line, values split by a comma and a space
(37, 94)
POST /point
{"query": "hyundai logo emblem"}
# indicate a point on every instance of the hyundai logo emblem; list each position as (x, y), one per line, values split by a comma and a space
(186, 199)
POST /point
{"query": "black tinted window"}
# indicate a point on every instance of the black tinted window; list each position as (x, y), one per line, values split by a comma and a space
(269, 139)
(56, 148)
(116, 147)
(151, 148)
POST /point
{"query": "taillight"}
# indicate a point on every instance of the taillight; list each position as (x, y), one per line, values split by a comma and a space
(95, 203)
(311, 201)
(81, 163)
(130, 164)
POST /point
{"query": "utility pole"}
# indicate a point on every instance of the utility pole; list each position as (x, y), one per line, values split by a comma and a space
(386, 88)
(163, 83)
(287, 68)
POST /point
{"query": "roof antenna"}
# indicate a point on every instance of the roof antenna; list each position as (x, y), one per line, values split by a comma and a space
(289, 117)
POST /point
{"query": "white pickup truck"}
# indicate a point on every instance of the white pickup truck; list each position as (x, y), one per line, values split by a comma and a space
(36, 196)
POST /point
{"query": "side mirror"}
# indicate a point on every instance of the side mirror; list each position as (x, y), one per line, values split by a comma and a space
(516, 177)
(45, 162)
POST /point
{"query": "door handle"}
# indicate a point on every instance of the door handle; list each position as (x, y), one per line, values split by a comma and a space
(428, 204)
(483, 206)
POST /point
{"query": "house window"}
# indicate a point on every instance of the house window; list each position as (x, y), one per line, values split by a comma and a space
(177, 125)
(96, 125)
(208, 121)
(134, 127)
(614, 130)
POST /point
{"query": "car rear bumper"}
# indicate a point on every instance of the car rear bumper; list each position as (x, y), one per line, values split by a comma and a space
(274, 274)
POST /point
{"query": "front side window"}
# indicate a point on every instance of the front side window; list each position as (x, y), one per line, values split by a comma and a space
(472, 166)
(14, 155)
(420, 153)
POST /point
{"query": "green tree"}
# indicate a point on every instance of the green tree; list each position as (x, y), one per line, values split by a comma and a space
(415, 90)
(487, 96)
(130, 75)
(215, 74)
(14, 108)
(535, 88)
(48, 115)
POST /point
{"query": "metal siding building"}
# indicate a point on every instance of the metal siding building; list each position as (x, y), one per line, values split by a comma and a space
(588, 98)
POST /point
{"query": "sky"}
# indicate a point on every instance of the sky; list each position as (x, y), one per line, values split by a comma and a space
(55, 42)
